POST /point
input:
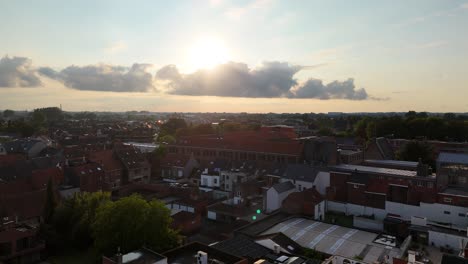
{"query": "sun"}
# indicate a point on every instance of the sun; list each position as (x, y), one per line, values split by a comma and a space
(208, 52)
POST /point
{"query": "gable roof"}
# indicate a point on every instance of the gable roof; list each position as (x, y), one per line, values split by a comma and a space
(283, 187)
(107, 159)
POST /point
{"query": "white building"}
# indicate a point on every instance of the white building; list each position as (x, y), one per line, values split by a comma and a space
(276, 195)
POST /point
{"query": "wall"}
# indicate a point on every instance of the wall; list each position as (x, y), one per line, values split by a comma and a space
(433, 212)
(366, 223)
(275, 199)
(443, 239)
(319, 213)
(322, 181)
(209, 180)
(353, 209)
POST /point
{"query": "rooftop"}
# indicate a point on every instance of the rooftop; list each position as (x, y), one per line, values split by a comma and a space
(393, 163)
(335, 240)
(374, 170)
(454, 158)
(456, 191)
(283, 187)
(141, 256)
(187, 254)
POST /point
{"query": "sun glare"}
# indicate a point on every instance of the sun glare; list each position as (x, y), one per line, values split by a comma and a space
(208, 52)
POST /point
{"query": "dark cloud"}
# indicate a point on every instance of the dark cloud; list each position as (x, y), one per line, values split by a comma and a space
(270, 80)
(104, 77)
(17, 72)
(314, 88)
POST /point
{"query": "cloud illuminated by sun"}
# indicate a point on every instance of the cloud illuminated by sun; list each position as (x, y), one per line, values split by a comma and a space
(207, 52)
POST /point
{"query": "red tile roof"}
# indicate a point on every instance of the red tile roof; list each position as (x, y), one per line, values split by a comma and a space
(268, 140)
(107, 159)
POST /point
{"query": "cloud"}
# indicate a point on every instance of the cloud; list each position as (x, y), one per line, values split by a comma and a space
(464, 6)
(269, 80)
(17, 72)
(314, 88)
(104, 77)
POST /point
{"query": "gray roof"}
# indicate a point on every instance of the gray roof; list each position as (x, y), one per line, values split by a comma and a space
(454, 158)
(460, 191)
(393, 162)
(300, 172)
(242, 246)
(283, 187)
(373, 170)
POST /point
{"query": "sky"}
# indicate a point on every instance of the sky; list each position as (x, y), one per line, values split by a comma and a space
(235, 56)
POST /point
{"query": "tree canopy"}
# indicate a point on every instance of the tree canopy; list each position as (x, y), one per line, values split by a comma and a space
(132, 222)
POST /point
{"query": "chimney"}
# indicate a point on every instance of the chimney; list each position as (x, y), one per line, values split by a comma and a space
(276, 249)
(411, 257)
(118, 256)
(202, 257)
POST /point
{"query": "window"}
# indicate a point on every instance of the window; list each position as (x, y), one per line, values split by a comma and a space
(461, 214)
(447, 200)
(299, 187)
(215, 181)
(227, 177)
(446, 212)
(227, 186)
(462, 179)
(430, 185)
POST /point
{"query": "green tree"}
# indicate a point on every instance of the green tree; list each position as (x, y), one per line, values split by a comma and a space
(170, 127)
(8, 113)
(73, 218)
(132, 222)
(415, 150)
(167, 139)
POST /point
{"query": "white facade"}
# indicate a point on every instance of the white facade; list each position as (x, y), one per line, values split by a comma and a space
(442, 213)
(319, 213)
(274, 200)
(210, 181)
(440, 239)
(321, 182)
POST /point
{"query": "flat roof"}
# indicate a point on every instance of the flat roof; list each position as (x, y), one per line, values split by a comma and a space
(335, 240)
(375, 170)
(393, 162)
(455, 191)
(454, 158)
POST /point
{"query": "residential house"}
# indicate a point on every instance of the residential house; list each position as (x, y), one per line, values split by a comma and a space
(29, 147)
(19, 243)
(137, 167)
(112, 167)
(175, 168)
(308, 202)
(89, 177)
(276, 194)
